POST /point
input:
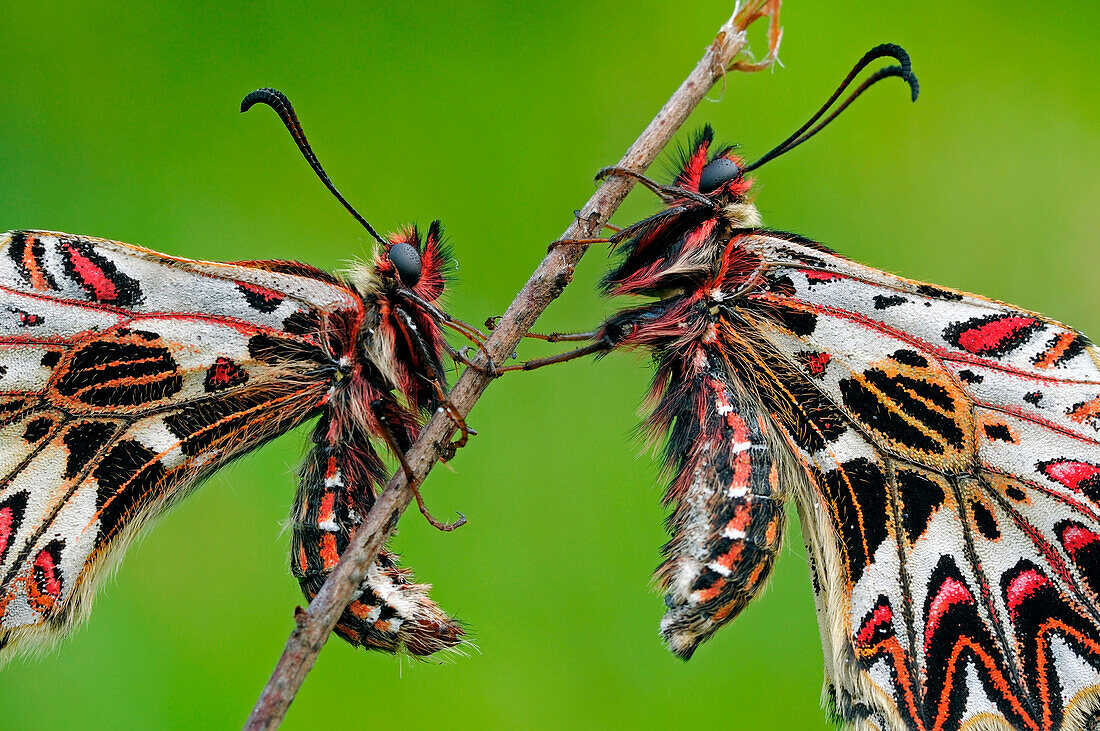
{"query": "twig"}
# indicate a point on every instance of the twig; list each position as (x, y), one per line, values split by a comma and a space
(556, 271)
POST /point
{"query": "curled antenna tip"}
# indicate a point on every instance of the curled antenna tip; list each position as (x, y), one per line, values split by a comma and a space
(914, 85)
(263, 96)
(277, 100)
(899, 54)
(903, 70)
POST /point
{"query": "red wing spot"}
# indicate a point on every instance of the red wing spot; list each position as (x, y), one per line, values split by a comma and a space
(329, 555)
(261, 298)
(771, 535)
(91, 275)
(32, 254)
(950, 593)
(326, 513)
(1022, 587)
(46, 589)
(881, 618)
(814, 362)
(1089, 411)
(732, 556)
(705, 595)
(821, 277)
(360, 610)
(49, 580)
(7, 518)
(26, 319)
(1075, 537)
(741, 520)
(1060, 349)
(993, 335)
(224, 374)
(724, 611)
(1075, 475)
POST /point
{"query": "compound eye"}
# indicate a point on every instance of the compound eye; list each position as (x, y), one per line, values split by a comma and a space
(406, 260)
(717, 172)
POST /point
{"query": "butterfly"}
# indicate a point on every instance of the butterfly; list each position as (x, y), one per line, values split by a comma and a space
(128, 376)
(942, 450)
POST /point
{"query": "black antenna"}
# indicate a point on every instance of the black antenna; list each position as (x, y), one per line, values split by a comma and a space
(282, 106)
(903, 71)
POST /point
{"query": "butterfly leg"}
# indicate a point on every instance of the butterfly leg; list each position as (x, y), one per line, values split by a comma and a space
(591, 221)
(600, 346)
(594, 218)
(464, 430)
(460, 356)
(495, 370)
(667, 193)
(381, 413)
(465, 329)
(577, 242)
(438, 382)
(491, 324)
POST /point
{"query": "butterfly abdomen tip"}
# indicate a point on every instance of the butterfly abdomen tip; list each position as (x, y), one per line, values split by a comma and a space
(677, 634)
(681, 645)
(436, 638)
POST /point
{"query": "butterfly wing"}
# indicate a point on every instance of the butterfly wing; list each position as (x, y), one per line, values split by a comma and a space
(125, 377)
(952, 510)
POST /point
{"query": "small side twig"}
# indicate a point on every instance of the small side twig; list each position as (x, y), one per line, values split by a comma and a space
(314, 625)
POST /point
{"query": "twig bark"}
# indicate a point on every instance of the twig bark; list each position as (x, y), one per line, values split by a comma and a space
(313, 625)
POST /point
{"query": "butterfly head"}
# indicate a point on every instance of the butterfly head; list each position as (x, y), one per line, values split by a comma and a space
(401, 287)
(715, 174)
(403, 261)
(406, 261)
(413, 262)
(681, 248)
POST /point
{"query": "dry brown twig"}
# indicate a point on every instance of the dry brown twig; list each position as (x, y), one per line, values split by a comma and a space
(313, 625)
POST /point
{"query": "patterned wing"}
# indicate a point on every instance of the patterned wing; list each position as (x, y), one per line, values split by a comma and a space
(125, 377)
(953, 508)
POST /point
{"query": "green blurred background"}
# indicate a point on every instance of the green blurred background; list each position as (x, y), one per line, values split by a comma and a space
(121, 121)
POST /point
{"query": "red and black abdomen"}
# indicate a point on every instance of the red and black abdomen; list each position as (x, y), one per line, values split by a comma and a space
(727, 516)
(337, 490)
(727, 524)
